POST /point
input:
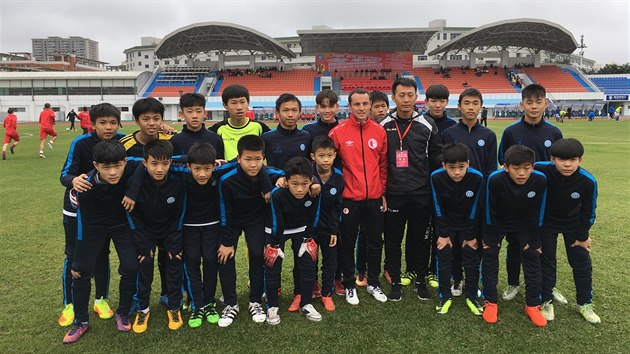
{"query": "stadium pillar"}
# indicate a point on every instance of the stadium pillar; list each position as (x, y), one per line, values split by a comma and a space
(505, 56)
(537, 59)
(473, 59)
(221, 63)
(252, 62)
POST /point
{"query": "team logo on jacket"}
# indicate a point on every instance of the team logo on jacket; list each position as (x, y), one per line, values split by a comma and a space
(346, 211)
(302, 147)
(372, 143)
(470, 194)
(547, 143)
(575, 195)
(308, 203)
(333, 191)
(531, 194)
(170, 200)
(480, 142)
(349, 143)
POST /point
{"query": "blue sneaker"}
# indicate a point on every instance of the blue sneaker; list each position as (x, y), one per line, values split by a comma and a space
(164, 300)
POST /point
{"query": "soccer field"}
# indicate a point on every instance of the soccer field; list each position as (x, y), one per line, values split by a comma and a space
(31, 260)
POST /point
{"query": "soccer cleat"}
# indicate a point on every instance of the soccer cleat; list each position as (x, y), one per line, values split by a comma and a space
(67, 316)
(187, 304)
(361, 280)
(102, 309)
(310, 313)
(12, 149)
(510, 292)
(4, 156)
(457, 288)
(534, 314)
(175, 321)
(210, 312)
(443, 306)
(164, 300)
(196, 319)
(41, 155)
(432, 281)
(396, 293)
(122, 323)
(490, 312)
(339, 288)
(328, 303)
(547, 310)
(228, 315)
(75, 332)
(273, 318)
(50, 144)
(474, 306)
(407, 277)
(377, 293)
(257, 312)
(141, 323)
(388, 277)
(588, 313)
(557, 296)
(317, 290)
(295, 304)
(423, 293)
(351, 296)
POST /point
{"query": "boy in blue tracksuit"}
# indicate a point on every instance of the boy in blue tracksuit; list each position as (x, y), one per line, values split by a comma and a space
(193, 108)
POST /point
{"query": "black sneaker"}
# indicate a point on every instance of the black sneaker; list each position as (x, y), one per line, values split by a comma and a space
(421, 290)
(396, 293)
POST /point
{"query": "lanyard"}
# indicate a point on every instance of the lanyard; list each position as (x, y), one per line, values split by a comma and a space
(401, 137)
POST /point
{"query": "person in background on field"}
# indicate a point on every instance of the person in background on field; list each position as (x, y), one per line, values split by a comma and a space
(46, 122)
(71, 117)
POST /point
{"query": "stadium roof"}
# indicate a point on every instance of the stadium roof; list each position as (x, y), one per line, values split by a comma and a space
(218, 36)
(366, 40)
(520, 32)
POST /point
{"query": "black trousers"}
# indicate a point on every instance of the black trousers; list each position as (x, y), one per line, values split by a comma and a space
(329, 264)
(353, 214)
(101, 269)
(446, 261)
(174, 279)
(415, 212)
(361, 257)
(128, 269)
(306, 272)
(201, 243)
(531, 266)
(579, 260)
(513, 261)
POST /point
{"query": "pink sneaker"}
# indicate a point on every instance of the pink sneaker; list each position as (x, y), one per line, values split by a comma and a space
(122, 323)
(75, 332)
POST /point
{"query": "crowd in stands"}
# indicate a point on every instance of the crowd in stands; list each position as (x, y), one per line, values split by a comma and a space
(261, 72)
(513, 77)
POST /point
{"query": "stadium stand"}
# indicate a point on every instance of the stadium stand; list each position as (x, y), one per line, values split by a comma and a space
(554, 79)
(298, 81)
(612, 85)
(487, 82)
(173, 82)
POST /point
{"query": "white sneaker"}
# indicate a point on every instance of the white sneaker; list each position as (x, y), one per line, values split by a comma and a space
(457, 288)
(222, 299)
(257, 312)
(377, 293)
(510, 292)
(587, 312)
(557, 296)
(351, 296)
(310, 313)
(41, 155)
(228, 315)
(273, 318)
(546, 309)
(50, 144)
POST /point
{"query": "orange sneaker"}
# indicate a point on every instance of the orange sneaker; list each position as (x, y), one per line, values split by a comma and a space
(317, 290)
(360, 280)
(490, 312)
(534, 314)
(329, 305)
(339, 288)
(295, 305)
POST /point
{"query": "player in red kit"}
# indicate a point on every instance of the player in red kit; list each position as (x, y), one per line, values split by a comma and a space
(46, 122)
(10, 133)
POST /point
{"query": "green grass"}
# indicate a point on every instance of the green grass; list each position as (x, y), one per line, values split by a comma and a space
(31, 258)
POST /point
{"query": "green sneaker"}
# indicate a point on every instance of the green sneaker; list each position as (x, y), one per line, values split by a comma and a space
(196, 319)
(101, 307)
(474, 306)
(587, 312)
(210, 312)
(443, 306)
(557, 296)
(432, 281)
(547, 310)
(407, 278)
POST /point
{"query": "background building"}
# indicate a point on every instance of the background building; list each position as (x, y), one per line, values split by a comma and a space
(86, 48)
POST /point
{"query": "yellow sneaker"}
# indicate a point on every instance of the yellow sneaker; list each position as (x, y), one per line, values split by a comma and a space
(67, 316)
(174, 319)
(141, 324)
(102, 309)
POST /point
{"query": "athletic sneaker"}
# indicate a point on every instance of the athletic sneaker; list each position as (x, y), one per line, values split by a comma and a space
(490, 312)
(4, 156)
(328, 303)
(474, 306)
(339, 288)
(67, 316)
(273, 318)
(141, 323)
(423, 293)
(588, 313)
(122, 323)
(295, 304)
(187, 304)
(443, 306)
(257, 312)
(12, 149)
(377, 293)
(310, 313)
(396, 293)
(50, 144)
(75, 332)
(510, 292)
(547, 310)
(196, 319)
(101, 307)
(210, 312)
(533, 312)
(41, 155)
(407, 277)
(387, 277)
(351, 296)
(432, 281)
(360, 280)
(557, 296)
(175, 321)
(164, 300)
(457, 288)
(228, 315)
(317, 290)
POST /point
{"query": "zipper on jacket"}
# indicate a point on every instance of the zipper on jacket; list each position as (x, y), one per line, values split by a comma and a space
(363, 156)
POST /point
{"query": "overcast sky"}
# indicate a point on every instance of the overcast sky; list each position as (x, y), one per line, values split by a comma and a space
(119, 24)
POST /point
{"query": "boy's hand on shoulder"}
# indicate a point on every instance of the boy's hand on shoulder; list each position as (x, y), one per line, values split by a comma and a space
(224, 254)
(333, 241)
(80, 183)
(166, 129)
(314, 189)
(218, 163)
(443, 242)
(281, 182)
(128, 203)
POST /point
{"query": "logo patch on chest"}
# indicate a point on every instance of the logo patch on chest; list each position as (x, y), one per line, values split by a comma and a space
(575, 195)
(531, 194)
(470, 194)
(170, 200)
(481, 142)
(333, 191)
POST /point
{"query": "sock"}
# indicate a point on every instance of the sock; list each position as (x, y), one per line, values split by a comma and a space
(145, 311)
(97, 301)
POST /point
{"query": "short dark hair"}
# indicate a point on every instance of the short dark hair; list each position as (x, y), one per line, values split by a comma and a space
(327, 93)
(234, 91)
(145, 105)
(437, 92)
(567, 149)
(519, 154)
(453, 153)
(250, 143)
(85, 108)
(202, 153)
(470, 92)
(108, 151)
(403, 81)
(104, 110)
(298, 166)
(533, 91)
(46, 105)
(322, 142)
(190, 99)
(287, 97)
(10, 111)
(158, 149)
(376, 96)
(359, 91)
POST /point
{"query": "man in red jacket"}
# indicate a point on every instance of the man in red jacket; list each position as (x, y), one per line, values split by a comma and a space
(46, 122)
(362, 147)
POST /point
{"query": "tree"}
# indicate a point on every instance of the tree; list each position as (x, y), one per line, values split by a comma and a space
(614, 69)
